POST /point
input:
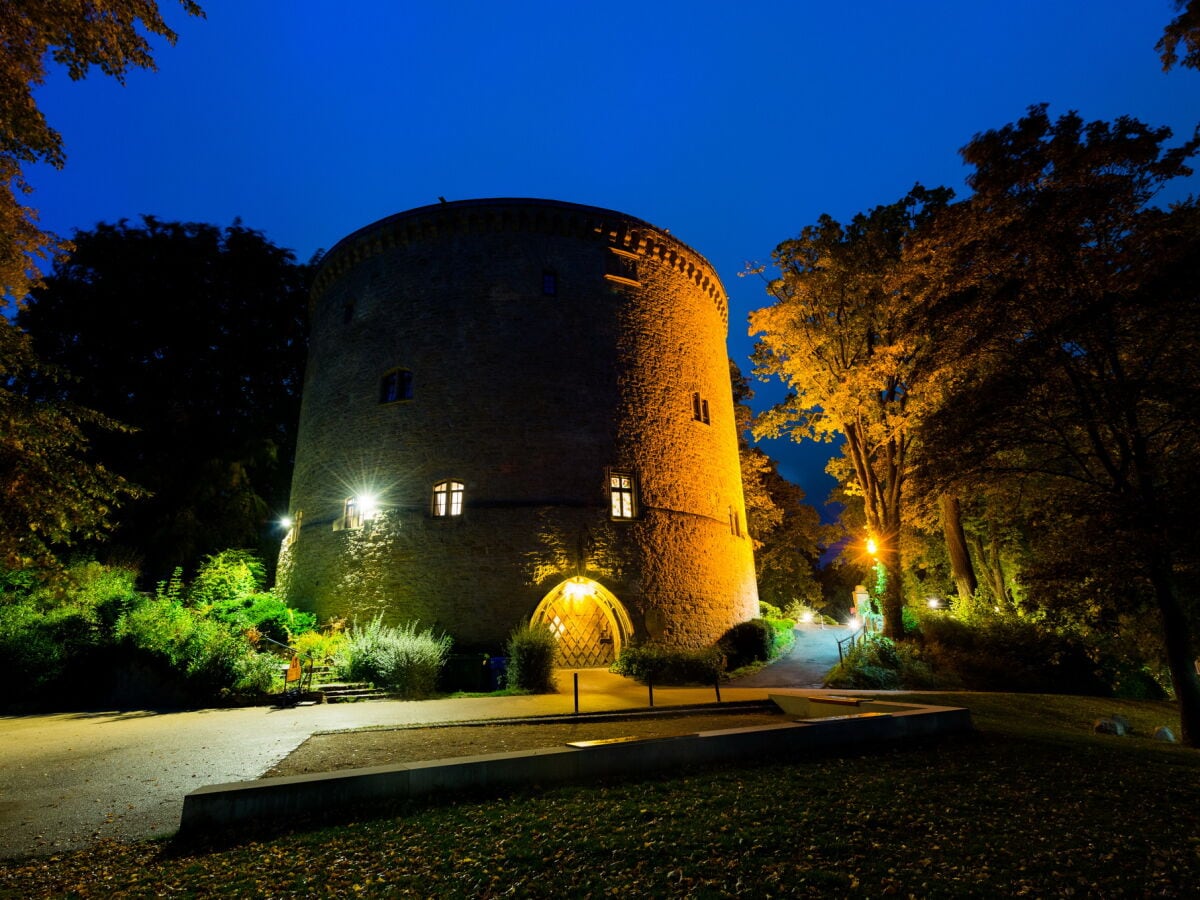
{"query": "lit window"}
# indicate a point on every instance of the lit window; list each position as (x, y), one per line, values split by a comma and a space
(699, 408)
(448, 498)
(549, 283)
(396, 385)
(352, 516)
(620, 492)
(356, 511)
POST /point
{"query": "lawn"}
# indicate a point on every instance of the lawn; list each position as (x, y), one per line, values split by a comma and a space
(1033, 804)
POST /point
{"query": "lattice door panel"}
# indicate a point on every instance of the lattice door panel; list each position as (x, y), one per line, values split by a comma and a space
(584, 636)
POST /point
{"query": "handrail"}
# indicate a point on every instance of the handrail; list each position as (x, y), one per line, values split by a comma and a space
(848, 643)
(293, 694)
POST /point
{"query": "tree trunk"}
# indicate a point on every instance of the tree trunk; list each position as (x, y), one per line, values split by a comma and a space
(1177, 636)
(893, 594)
(956, 547)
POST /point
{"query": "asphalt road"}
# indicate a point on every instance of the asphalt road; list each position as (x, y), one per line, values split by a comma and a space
(69, 779)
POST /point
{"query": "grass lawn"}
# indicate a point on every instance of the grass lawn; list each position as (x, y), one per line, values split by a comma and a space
(1033, 804)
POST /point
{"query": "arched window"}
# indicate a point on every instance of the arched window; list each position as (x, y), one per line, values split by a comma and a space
(447, 498)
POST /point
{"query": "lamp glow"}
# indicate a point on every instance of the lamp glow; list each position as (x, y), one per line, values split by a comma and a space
(806, 618)
(286, 523)
(872, 547)
(854, 623)
(368, 506)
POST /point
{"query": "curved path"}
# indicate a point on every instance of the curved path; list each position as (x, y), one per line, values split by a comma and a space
(810, 660)
(69, 779)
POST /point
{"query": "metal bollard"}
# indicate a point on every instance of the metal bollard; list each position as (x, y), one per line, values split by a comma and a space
(717, 685)
(650, 685)
(575, 676)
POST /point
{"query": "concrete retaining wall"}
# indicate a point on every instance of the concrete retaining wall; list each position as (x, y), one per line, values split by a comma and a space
(275, 799)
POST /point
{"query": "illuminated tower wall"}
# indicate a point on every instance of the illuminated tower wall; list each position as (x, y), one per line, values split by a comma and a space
(517, 408)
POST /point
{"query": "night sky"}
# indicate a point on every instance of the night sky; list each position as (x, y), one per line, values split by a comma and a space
(731, 124)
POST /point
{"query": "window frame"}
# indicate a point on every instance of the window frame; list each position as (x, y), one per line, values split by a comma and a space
(402, 381)
(448, 499)
(622, 498)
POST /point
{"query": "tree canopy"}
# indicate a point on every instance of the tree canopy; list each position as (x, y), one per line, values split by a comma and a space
(1067, 354)
(834, 336)
(76, 34)
(195, 337)
(1182, 31)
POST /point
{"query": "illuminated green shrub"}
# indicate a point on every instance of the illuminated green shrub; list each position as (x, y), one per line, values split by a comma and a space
(399, 659)
(531, 652)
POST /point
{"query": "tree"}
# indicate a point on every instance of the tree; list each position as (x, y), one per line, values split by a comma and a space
(1183, 30)
(77, 34)
(1069, 338)
(195, 336)
(51, 493)
(835, 337)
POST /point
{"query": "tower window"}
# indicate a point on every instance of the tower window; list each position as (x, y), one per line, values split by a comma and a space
(448, 498)
(622, 267)
(549, 283)
(621, 495)
(396, 385)
(352, 514)
(735, 522)
(699, 408)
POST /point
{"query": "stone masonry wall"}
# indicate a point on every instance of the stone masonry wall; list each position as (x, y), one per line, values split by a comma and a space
(528, 398)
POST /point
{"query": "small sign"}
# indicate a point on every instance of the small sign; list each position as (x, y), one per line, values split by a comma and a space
(293, 672)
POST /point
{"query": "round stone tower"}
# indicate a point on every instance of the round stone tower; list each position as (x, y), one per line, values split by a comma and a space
(520, 410)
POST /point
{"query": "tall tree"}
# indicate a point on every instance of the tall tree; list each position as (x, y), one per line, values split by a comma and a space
(77, 34)
(52, 493)
(1069, 339)
(834, 335)
(195, 336)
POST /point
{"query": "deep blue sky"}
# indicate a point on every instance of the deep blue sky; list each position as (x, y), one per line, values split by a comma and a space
(731, 124)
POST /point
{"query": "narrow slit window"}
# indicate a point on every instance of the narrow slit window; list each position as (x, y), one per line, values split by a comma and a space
(448, 498)
(549, 283)
(699, 408)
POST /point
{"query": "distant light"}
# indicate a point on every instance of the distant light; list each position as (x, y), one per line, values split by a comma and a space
(807, 617)
(995, 609)
(872, 547)
(854, 623)
(934, 602)
(286, 523)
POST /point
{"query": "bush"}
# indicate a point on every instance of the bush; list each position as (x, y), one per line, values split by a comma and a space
(878, 663)
(756, 640)
(1011, 654)
(225, 576)
(531, 651)
(322, 646)
(398, 659)
(266, 614)
(671, 665)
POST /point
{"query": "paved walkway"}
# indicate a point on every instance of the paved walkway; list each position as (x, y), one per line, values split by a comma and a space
(69, 779)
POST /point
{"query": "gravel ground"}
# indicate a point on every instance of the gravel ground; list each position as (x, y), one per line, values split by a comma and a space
(379, 747)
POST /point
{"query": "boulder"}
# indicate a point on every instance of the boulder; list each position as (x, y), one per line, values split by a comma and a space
(1109, 726)
(1164, 733)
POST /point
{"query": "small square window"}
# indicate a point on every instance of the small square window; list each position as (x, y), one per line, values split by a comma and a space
(448, 498)
(621, 495)
(395, 386)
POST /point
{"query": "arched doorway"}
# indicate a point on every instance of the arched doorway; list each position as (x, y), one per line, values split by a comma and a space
(589, 622)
